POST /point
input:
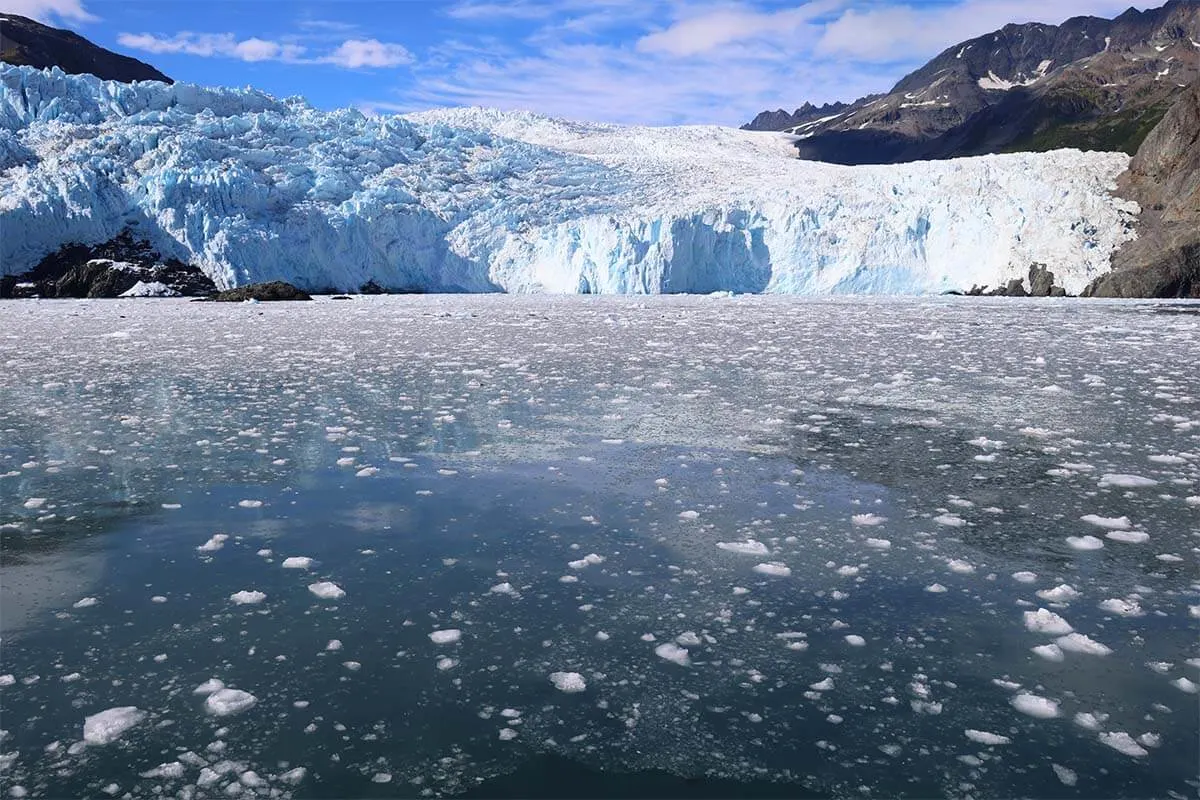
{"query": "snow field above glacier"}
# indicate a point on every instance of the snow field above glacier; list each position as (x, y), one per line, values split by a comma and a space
(251, 188)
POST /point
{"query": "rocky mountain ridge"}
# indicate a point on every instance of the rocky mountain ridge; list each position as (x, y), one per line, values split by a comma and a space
(26, 42)
(1089, 83)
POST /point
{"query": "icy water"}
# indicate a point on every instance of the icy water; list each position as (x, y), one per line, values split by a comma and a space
(585, 547)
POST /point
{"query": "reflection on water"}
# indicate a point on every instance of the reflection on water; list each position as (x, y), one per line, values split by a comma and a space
(787, 547)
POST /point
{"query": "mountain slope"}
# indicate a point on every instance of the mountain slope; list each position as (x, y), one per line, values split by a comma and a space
(250, 188)
(1090, 83)
(25, 42)
(1164, 177)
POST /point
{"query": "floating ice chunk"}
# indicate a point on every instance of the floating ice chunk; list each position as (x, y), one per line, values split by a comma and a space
(983, 737)
(1089, 720)
(773, 568)
(1184, 685)
(1045, 621)
(326, 590)
(1123, 608)
(1024, 577)
(250, 503)
(878, 544)
(569, 682)
(673, 653)
(353, 666)
(215, 543)
(297, 562)
(1050, 652)
(226, 702)
(1173, 461)
(935, 588)
(247, 597)
(446, 663)
(950, 520)
(209, 686)
(86, 602)
(1123, 743)
(854, 640)
(367, 472)
(867, 519)
(957, 565)
(293, 776)
(1121, 481)
(111, 724)
(822, 686)
(689, 515)
(334, 644)
(1084, 543)
(171, 769)
(448, 636)
(749, 548)
(503, 588)
(1128, 537)
(508, 734)
(1150, 739)
(1066, 777)
(586, 561)
(1034, 706)
(1109, 523)
(1063, 593)
(688, 639)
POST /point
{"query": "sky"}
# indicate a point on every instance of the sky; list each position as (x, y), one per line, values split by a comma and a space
(655, 62)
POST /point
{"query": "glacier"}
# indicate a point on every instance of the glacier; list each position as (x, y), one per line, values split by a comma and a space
(251, 188)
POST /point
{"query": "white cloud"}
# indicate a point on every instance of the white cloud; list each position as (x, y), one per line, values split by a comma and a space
(358, 53)
(704, 32)
(48, 11)
(351, 53)
(899, 31)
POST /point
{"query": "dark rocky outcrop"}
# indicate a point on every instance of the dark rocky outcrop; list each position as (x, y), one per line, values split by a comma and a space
(265, 292)
(1040, 283)
(107, 270)
(1090, 83)
(26, 42)
(1164, 178)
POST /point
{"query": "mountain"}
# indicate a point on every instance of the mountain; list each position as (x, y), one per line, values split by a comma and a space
(249, 188)
(1164, 178)
(1089, 83)
(25, 42)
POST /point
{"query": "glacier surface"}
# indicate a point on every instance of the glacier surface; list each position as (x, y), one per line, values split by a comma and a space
(252, 188)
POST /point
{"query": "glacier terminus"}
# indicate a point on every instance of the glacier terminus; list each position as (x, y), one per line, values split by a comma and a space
(251, 188)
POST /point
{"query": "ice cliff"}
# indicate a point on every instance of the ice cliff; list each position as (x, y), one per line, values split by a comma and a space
(253, 188)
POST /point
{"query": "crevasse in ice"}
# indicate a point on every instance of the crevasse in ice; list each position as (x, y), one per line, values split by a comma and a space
(253, 188)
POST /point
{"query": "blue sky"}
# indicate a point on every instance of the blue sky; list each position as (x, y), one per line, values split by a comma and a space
(636, 61)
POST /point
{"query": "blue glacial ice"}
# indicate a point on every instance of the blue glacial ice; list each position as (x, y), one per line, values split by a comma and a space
(251, 188)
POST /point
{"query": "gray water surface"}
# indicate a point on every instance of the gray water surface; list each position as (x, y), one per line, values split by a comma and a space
(781, 548)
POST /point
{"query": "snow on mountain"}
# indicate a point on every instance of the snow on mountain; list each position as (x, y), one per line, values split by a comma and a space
(253, 188)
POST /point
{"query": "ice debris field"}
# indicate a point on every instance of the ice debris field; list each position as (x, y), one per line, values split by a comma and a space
(251, 188)
(407, 546)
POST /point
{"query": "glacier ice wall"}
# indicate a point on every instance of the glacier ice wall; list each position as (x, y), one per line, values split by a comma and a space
(252, 188)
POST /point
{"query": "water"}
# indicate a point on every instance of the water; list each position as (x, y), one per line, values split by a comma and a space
(551, 478)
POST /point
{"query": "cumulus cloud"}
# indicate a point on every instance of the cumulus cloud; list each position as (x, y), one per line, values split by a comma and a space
(359, 53)
(351, 53)
(49, 11)
(209, 45)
